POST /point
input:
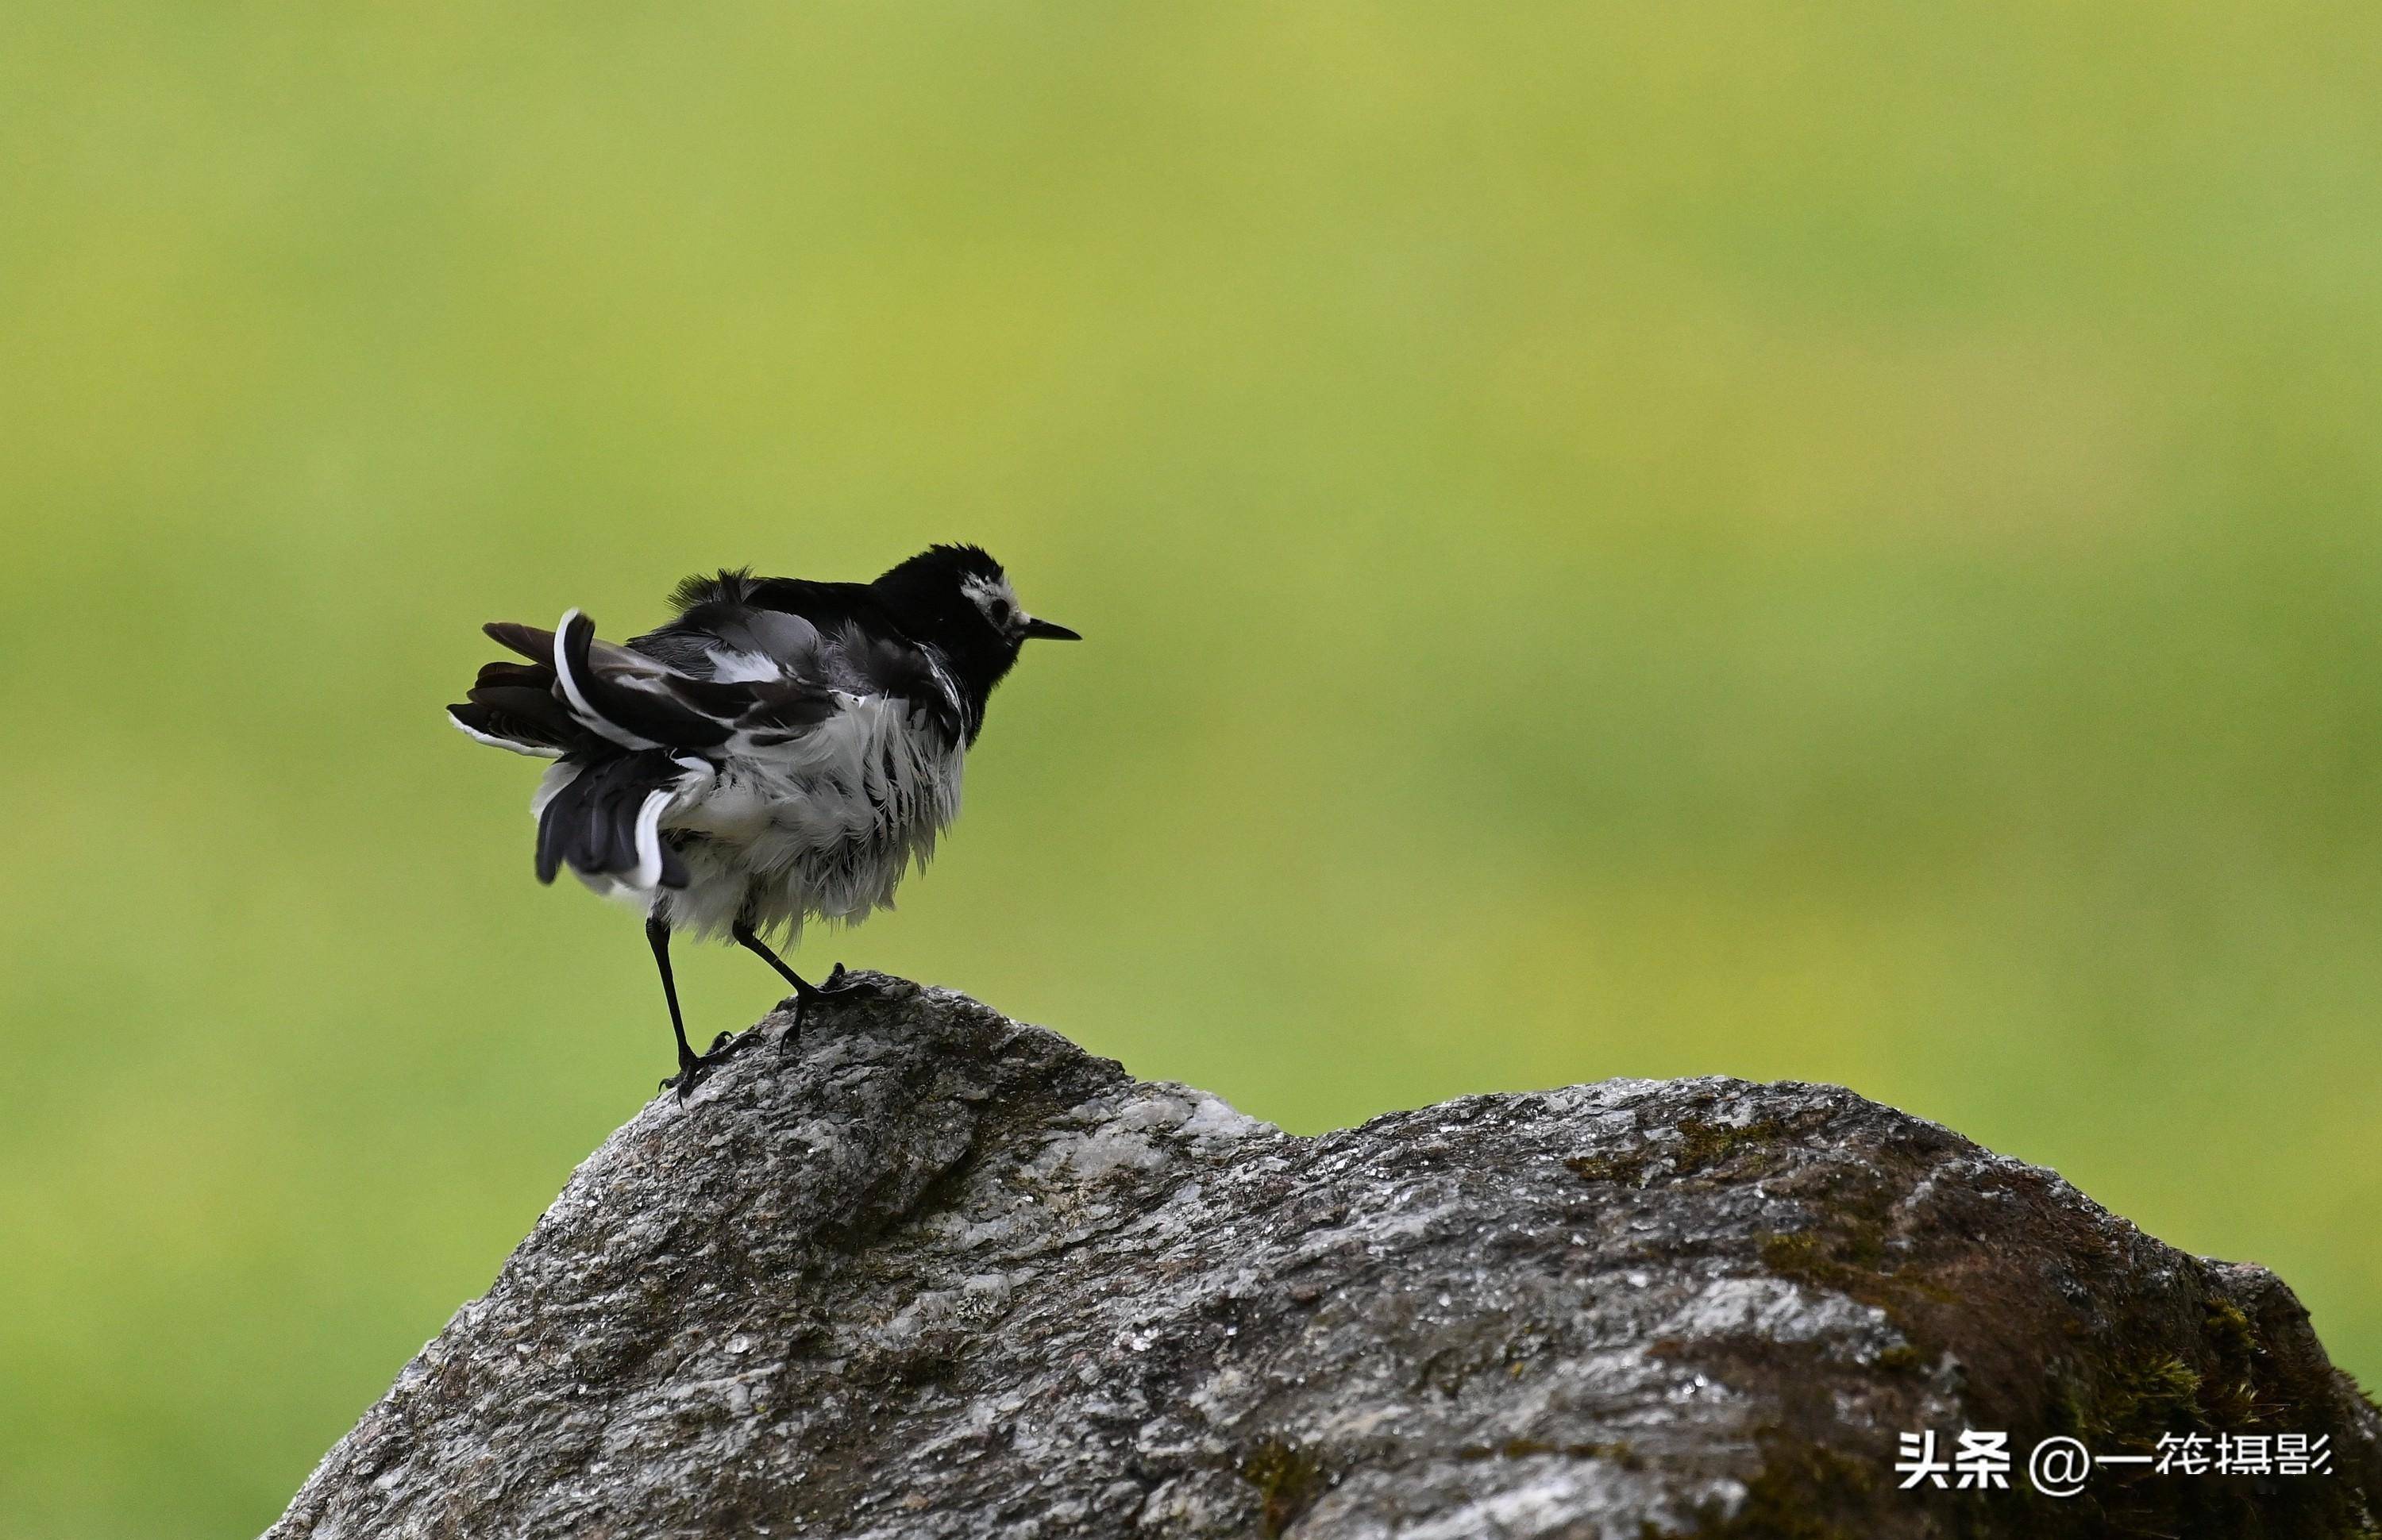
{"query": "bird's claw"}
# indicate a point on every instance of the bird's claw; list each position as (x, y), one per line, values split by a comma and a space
(690, 1071)
(834, 986)
(694, 1069)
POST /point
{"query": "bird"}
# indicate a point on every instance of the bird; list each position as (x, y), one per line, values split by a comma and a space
(781, 750)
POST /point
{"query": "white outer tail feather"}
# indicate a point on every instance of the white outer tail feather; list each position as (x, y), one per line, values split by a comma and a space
(648, 874)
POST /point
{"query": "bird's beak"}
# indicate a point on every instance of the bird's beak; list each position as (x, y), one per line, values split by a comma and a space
(1050, 632)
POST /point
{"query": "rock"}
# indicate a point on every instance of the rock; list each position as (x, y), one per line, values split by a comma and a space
(939, 1274)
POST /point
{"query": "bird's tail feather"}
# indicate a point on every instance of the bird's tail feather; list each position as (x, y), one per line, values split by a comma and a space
(601, 816)
(512, 705)
(603, 714)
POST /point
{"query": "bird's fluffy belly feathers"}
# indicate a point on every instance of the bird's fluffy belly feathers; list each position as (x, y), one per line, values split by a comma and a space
(825, 824)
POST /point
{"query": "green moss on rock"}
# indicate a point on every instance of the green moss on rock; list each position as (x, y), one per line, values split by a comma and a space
(1288, 1480)
(1804, 1491)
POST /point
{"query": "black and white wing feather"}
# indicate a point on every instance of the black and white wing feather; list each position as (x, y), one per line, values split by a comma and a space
(577, 694)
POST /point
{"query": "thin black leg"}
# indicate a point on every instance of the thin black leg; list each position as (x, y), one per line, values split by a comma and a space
(657, 937)
(751, 941)
(691, 1065)
(804, 992)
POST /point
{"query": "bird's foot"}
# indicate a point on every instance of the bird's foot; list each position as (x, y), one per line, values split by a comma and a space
(833, 987)
(693, 1069)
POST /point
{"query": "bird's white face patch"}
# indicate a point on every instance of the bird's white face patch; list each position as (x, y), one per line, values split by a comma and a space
(998, 600)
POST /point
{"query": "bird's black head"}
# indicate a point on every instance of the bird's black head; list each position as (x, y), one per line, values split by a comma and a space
(957, 599)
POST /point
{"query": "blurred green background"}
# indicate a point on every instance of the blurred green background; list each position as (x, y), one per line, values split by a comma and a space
(1833, 543)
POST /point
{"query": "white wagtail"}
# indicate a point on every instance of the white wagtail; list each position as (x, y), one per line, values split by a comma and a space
(783, 749)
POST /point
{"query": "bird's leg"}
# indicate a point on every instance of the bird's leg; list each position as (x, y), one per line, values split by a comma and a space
(806, 992)
(692, 1066)
(657, 937)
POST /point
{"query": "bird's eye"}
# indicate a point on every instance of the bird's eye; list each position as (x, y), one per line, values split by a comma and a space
(1001, 611)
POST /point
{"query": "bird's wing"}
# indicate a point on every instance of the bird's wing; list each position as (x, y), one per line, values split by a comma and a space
(748, 663)
(579, 694)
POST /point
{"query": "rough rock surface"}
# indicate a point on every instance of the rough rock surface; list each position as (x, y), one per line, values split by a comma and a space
(943, 1275)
